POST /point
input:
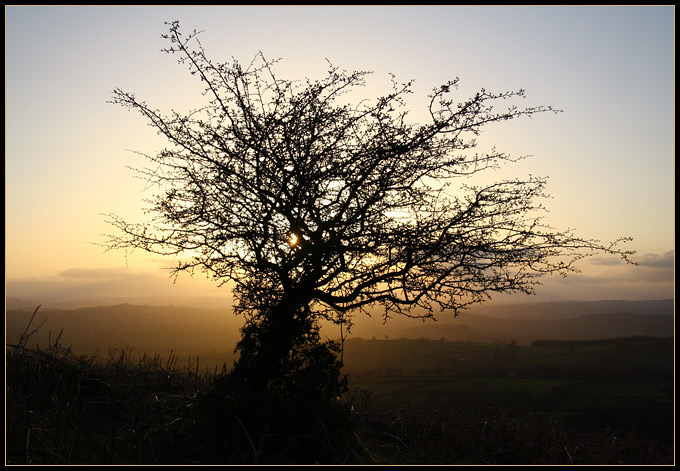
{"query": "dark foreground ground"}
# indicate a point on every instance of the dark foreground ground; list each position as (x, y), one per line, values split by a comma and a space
(63, 408)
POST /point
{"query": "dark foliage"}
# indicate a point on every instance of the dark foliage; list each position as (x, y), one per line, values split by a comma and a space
(280, 403)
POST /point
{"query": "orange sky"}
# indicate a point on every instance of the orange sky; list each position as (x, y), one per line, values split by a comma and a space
(610, 156)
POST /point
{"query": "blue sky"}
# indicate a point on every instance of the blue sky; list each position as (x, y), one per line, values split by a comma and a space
(610, 155)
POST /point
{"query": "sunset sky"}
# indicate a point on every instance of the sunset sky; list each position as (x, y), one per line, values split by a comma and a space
(610, 155)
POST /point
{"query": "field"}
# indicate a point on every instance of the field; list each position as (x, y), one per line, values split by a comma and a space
(618, 383)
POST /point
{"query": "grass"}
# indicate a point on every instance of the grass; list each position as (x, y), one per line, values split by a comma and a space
(534, 388)
(399, 433)
(125, 409)
(63, 408)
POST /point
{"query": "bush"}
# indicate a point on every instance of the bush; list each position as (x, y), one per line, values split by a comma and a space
(291, 412)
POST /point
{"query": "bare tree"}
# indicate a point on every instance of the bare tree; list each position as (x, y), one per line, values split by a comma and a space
(317, 208)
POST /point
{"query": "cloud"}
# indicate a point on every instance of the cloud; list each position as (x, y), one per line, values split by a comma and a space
(654, 268)
(652, 278)
(102, 273)
(74, 283)
(665, 260)
(602, 261)
(649, 269)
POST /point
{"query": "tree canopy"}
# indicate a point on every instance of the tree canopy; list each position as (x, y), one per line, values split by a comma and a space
(317, 207)
(290, 191)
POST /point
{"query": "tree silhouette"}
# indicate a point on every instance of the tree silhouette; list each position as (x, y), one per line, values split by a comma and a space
(316, 208)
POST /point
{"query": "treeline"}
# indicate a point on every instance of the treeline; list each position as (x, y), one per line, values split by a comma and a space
(619, 341)
(639, 358)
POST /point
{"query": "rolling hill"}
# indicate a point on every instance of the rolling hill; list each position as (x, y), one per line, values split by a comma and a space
(161, 329)
(480, 328)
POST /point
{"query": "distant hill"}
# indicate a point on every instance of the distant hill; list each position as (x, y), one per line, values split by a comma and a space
(572, 309)
(492, 322)
(480, 328)
(151, 329)
(208, 302)
(19, 304)
(160, 329)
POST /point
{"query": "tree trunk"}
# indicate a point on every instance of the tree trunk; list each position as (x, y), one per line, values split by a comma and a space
(268, 343)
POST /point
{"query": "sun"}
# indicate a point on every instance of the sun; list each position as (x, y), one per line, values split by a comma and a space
(293, 239)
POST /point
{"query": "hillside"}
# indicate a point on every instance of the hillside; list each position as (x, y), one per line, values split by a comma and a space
(571, 309)
(150, 329)
(185, 330)
(480, 328)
